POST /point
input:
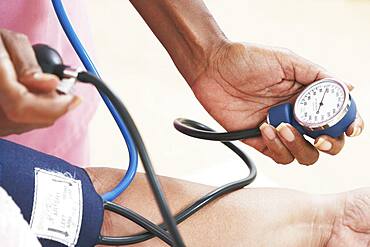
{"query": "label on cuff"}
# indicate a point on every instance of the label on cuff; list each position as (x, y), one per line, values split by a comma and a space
(57, 207)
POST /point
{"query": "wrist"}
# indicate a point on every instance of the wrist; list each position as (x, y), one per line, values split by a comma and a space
(329, 208)
(199, 62)
(220, 56)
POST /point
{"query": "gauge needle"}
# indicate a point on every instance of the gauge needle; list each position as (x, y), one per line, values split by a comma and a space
(321, 104)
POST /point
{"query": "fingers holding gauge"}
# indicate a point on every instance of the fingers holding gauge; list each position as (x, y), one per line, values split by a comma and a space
(286, 144)
(332, 145)
(278, 151)
(299, 147)
(324, 111)
(335, 111)
(356, 128)
(329, 144)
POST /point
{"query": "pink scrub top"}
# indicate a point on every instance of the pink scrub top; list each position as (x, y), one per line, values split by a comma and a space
(68, 137)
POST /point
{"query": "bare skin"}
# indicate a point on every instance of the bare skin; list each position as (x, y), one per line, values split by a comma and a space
(235, 82)
(352, 226)
(249, 217)
(245, 80)
(27, 96)
(238, 82)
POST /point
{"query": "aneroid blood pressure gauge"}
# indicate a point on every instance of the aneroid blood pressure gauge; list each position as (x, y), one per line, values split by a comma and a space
(323, 108)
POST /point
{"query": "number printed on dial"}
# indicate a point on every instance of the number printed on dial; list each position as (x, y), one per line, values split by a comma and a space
(320, 103)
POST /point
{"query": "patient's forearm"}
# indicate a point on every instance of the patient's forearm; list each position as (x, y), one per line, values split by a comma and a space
(185, 28)
(249, 217)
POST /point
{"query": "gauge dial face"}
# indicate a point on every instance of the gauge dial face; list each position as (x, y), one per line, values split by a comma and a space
(321, 103)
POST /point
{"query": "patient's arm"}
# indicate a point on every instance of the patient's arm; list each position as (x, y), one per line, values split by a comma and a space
(249, 217)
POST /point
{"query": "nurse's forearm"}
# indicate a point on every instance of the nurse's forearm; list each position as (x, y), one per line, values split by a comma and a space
(186, 29)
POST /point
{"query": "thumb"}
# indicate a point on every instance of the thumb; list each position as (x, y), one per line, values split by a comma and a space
(307, 72)
(325, 74)
(40, 82)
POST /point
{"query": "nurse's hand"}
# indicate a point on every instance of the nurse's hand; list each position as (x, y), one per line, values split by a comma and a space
(27, 96)
(241, 82)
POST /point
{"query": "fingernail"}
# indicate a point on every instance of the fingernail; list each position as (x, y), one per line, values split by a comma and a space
(268, 131)
(43, 77)
(359, 131)
(75, 102)
(285, 132)
(323, 144)
(356, 131)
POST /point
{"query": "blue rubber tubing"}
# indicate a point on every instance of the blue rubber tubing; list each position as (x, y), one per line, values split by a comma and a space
(89, 65)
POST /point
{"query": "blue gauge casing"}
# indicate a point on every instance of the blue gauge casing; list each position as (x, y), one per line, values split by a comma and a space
(284, 114)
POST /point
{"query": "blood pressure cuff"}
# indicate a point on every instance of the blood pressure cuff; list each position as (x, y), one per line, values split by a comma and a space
(56, 198)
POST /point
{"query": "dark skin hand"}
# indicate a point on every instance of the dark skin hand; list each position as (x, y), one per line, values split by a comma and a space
(238, 82)
(242, 81)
